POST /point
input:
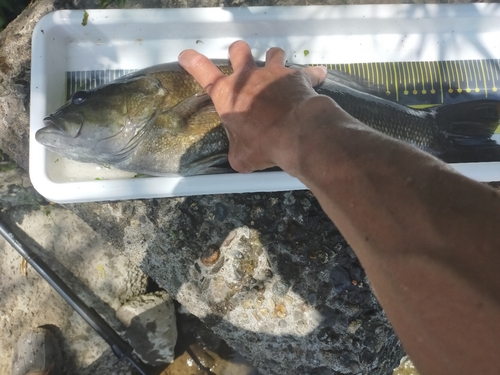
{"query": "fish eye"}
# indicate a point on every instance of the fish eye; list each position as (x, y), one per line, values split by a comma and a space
(79, 97)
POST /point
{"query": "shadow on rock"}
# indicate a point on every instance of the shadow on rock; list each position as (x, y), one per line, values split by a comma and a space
(269, 273)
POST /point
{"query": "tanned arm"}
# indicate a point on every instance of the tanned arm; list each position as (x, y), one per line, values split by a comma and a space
(428, 238)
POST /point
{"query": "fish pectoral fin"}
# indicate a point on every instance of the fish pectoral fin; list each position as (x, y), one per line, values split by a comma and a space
(192, 105)
(194, 114)
(213, 164)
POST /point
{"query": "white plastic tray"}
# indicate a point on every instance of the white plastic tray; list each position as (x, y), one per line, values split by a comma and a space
(133, 39)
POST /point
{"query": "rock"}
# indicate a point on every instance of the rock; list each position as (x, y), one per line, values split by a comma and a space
(198, 346)
(151, 327)
(99, 274)
(406, 367)
(16, 188)
(282, 288)
(15, 66)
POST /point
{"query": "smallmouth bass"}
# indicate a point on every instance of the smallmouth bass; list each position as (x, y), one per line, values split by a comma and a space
(158, 121)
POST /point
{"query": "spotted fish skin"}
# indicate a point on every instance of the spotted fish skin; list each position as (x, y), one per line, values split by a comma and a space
(159, 121)
(458, 132)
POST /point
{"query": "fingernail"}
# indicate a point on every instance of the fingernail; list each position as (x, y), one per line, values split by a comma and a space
(183, 53)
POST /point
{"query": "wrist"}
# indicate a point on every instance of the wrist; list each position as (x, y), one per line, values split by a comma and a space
(308, 126)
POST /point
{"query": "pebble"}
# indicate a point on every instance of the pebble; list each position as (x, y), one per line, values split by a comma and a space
(210, 256)
(280, 310)
(280, 287)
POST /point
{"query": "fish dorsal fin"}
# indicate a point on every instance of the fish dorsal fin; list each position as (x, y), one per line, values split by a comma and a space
(335, 77)
(340, 78)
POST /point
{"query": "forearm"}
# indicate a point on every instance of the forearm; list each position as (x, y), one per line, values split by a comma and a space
(426, 236)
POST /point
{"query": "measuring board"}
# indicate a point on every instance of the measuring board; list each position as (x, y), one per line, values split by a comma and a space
(411, 83)
(90, 79)
(425, 83)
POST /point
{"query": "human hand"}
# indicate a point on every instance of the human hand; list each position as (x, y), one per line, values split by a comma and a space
(257, 105)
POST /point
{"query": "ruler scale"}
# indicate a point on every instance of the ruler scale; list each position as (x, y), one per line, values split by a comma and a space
(423, 83)
(412, 83)
(89, 79)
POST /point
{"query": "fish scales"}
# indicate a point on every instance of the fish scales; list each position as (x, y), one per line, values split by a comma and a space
(412, 126)
(159, 121)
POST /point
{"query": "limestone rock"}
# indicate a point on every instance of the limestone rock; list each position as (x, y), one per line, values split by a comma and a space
(269, 273)
(16, 188)
(151, 327)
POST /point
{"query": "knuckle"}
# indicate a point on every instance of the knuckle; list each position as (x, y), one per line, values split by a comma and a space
(277, 50)
(199, 61)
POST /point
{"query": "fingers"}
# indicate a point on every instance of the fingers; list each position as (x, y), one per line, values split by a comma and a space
(275, 56)
(201, 68)
(240, 56)
(316, 74)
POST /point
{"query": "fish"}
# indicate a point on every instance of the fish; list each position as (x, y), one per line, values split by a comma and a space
(159, 121)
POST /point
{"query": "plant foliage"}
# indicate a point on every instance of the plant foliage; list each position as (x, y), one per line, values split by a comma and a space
(105, 3)
(10, 9)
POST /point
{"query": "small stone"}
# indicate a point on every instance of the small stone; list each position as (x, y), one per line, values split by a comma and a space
(353, 326)
(280, 287)
(406, 367)
(210, 256)
(311, 298)
(230, 237)
(151, 327)
(247, 304)
(340, 278)
(221, 212)
(280, 310)
(245, 231)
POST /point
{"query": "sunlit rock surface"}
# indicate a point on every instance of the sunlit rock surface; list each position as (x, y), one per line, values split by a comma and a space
(269, 273)
(151, 327)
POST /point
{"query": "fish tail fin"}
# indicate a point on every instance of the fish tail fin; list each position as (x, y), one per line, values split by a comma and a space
(466, 129)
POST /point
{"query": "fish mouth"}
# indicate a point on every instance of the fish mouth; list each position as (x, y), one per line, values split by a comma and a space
(50, 126)
(63, 128)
